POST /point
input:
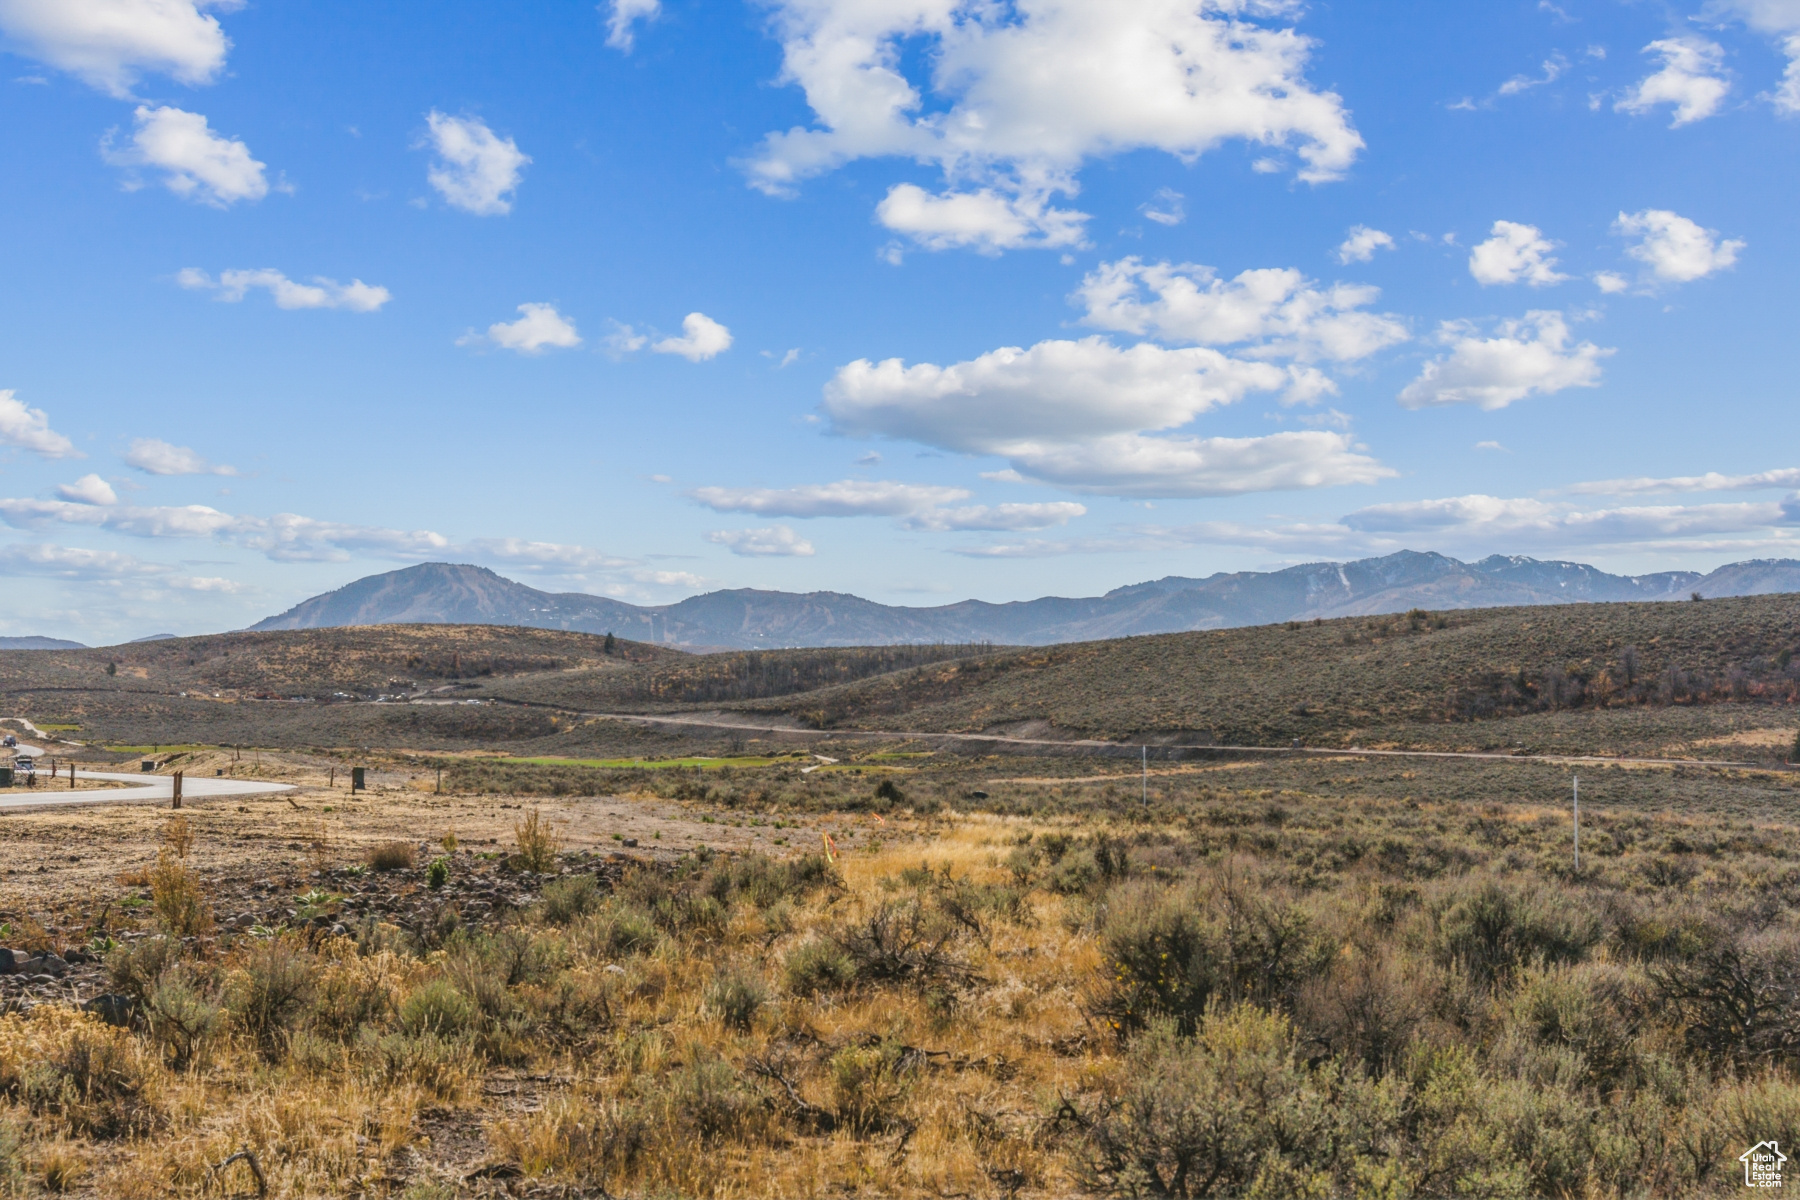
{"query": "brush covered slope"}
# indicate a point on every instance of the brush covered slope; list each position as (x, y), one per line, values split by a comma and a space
(318, 664)
(1493, 678)
(1320, 681)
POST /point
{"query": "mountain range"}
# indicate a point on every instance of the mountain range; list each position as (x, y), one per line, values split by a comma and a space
(749, 619)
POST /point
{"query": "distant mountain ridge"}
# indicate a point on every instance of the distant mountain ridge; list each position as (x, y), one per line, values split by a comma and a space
(39, 643)
(748, 619)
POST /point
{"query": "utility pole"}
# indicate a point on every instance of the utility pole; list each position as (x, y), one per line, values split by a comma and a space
(1578, 823)
(1146, 753)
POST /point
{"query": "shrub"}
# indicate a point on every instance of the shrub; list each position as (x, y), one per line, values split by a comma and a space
(438, 1008)
(177, 898)
(1591, 1010)
(869, 1084)
(392, 856)
(438, 873)
(1490, 929)
(1174, 953)
(888, 792)
(93, 1078)
(178, 835)
(567, 899)
(765, 881)
(269, 992)
(1739, 998)
(350, 996)
(736, 997)
(1232, 1111)
(578, 1136)
(133, 969)
(906, 942)
(818, 965)
(538, 844)
(441, 1065)
(1368, 1007)
(621, 928)
(706, 1100)
(182, 1017)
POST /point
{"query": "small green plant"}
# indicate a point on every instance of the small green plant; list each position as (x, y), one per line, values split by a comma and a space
(438, 873)
(567, 899)
(818, 966)
(176, 895)
(538, 844)
(736, 998)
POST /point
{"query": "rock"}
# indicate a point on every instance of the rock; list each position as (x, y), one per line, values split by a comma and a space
(614, 969)
(631, 843)
(79, 955)
(46, 966)
(112, 1008)
(9, 962)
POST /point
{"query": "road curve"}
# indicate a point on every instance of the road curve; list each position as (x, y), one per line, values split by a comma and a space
(1096, 744)
(140, 789)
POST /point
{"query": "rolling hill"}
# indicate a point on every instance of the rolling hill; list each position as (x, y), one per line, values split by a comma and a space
(747, 619)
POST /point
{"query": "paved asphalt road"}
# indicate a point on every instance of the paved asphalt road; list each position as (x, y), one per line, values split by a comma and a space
(143, 789)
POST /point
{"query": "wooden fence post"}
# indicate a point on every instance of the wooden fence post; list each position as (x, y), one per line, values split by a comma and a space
(176, 796)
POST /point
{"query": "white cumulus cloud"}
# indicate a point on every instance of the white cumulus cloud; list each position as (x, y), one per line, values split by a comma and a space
(539, 326)
(1531, 356)
(986, 220)
(477, 170)
(622, 17)
(232, 286)
(1362, 243)
(1133, 465)
(89, 489)
(1272, 312)
(845, 498)
(1674, 249)
(1515, 254)
(701, 338)
(776, 541)
(1054, 391)
(29, 429)
(1780, 19)
(1076, 413)
(1011, 100)
(154, 456)
(1692, 80)
(108, 43)
(196, 163)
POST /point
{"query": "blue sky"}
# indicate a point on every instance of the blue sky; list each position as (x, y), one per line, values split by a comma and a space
(915, 299)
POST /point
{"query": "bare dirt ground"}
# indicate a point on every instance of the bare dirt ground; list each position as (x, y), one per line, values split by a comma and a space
(61, 863)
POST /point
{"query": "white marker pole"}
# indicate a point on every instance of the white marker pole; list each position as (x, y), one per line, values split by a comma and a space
(1578, 822)
(1146, 753)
